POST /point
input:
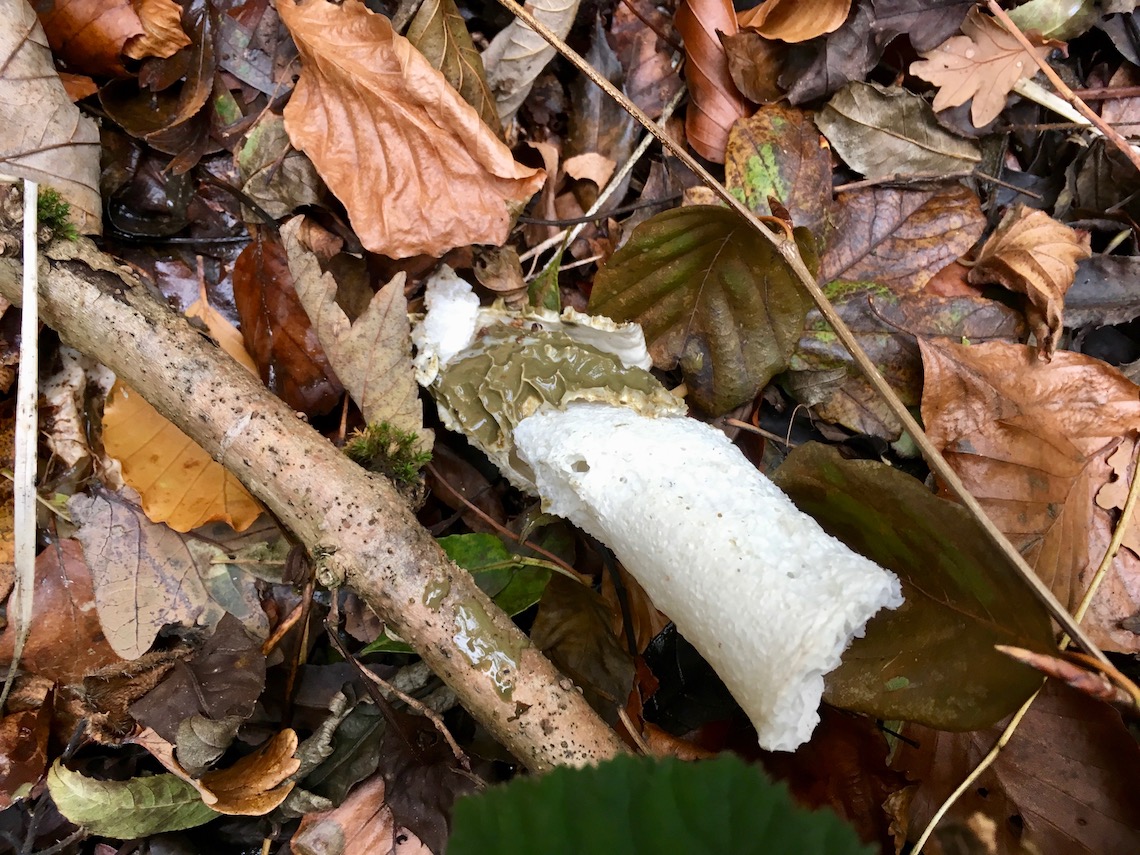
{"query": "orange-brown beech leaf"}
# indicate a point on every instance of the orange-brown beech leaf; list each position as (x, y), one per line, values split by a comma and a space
(1064, 785)
(1033, 254)
(23, 750)
(278, 333)
(66, 640)
(180, 484)
(794, 20)
(43, 136)
(92, 36)
(984, 63)
(899, 238)
(714, 102)
(414, 165)
(1029, 439)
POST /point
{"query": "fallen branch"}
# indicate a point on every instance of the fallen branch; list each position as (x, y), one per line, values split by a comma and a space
(357, 528)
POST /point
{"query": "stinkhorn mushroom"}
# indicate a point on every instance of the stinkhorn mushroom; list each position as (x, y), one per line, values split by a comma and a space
(566, 407)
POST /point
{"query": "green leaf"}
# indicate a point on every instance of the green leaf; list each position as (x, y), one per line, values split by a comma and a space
(712, 296)
(439, 33)
(644, 806)
(513, 582)
(130, 809)
(932, 660)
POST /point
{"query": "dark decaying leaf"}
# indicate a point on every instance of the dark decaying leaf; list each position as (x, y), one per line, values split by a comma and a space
(778, 153)
(819, 67)
(277, 332)
(23, 750)
(932, 659)
(440, 34)
(1104, 291)
(899, 238)
(822, 373)
(650, 79)
(573, 628)
(754, 64)
(715, 104)
(881, 131)
(712, 296)
(1063, 784)
(927, 23)
(222, 680)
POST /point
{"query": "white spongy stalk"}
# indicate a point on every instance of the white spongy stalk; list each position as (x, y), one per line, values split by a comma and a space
(766, 596)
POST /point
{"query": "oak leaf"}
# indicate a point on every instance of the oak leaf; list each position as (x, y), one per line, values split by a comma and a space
(414, 165)
(714, 102)
(794, 21)
(984, 63)
(1033, 254)
(1030, 440)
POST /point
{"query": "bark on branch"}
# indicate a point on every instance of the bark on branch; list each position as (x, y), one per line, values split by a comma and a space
(355, 525)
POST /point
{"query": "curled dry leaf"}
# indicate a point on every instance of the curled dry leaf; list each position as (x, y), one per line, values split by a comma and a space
(43, 136)
(393, 140)
(1033, 254)
(1029, 439)
(715, 104)
(794, 20)
(983, 63)
(92, 36)
(517, 55)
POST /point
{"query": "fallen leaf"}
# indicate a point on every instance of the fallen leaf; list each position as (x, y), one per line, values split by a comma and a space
(932, 659)
(712, 296)
(258, 782)
(777, 153)
(273, 173)
(823, 375)
(1030, 253)
(373, 355)
(1029, 439)
(93, 35)
(881, 131)
(819, 67)
(650, 79)
(43, 136)
(275, 328)
(23, 751)
(572, 628)
(517, 54)
(899, 238)
(440, 34)
(172, 117)
(363, 822)
(1061, 784)
(926, 23)
(754, 65)
(714, 102)
(65, 640)
(791, 21)
(180, 484)
(1103, 291)
(416, 145)
(147, 576)
(983, 63)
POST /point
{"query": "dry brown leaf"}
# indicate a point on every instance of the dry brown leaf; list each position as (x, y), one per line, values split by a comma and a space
(1033, 254)
(1030, 440)
(754, 63)
(714, 102)
(373, 355)
(794, 20)
(163, 35)
(414, 165)
(66, 641)
(43, 136)
(93, 35)
(983, 63)
(364, 823)
(180, 484)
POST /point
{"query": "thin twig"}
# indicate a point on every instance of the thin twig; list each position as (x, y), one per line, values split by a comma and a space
(788, 250)
(27, 436)
(1109, 556)
(1063, 90)
(916, 178)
